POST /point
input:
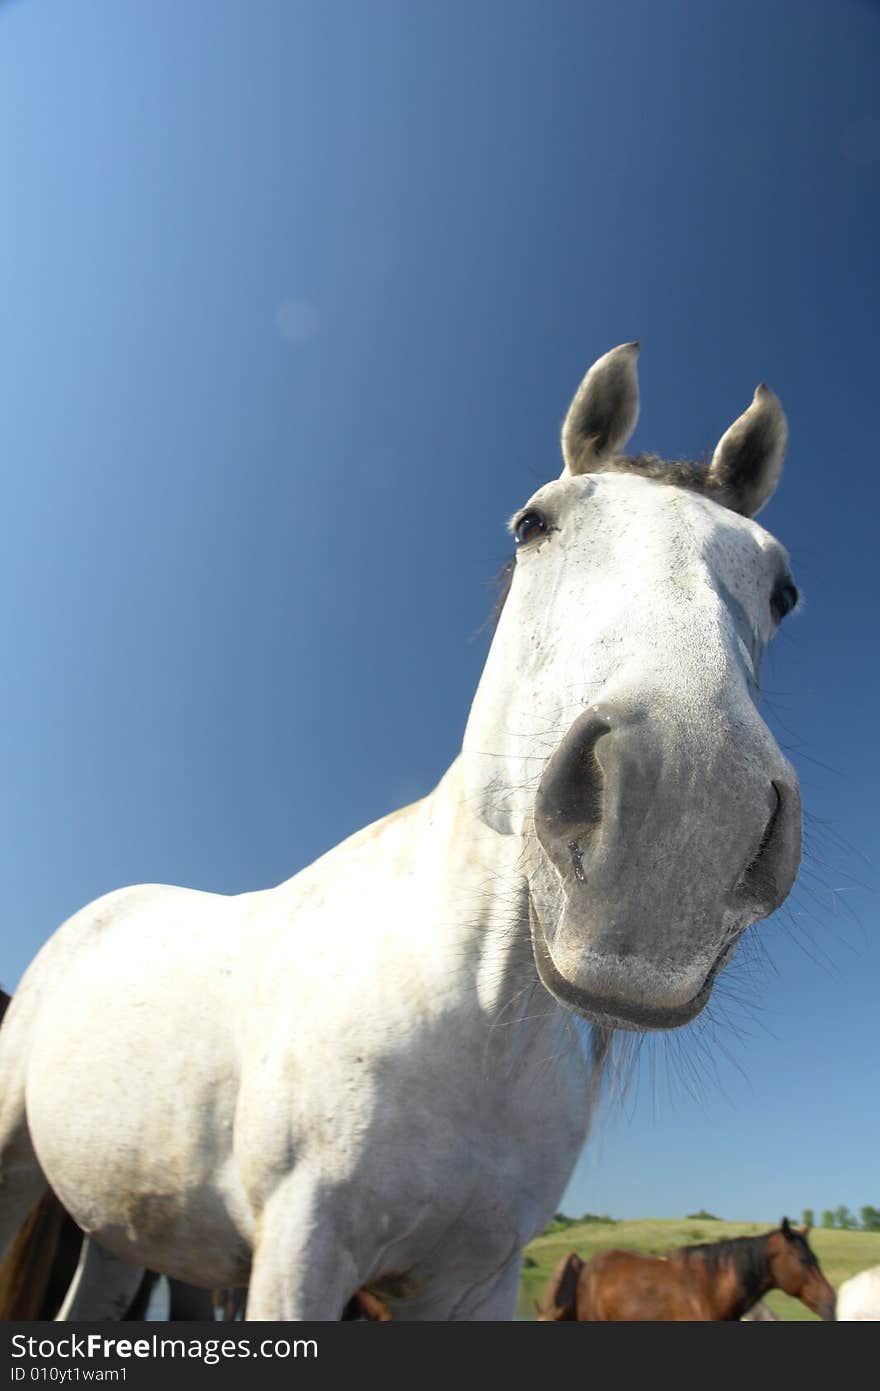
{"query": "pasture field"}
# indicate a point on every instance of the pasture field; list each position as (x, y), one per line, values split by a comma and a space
(840, 1254)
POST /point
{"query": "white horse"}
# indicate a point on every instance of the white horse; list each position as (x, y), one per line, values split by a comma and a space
(858, 1298)
(371, 1074)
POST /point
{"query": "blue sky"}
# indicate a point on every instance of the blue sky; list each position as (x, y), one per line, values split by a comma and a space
(293, 297)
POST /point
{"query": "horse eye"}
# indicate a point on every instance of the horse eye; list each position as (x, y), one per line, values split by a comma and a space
(530, 525)
(783, 600)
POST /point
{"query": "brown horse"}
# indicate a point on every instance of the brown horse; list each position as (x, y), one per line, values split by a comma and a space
(716, 1281)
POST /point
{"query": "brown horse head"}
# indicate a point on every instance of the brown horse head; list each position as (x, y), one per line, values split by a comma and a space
(796, 1271)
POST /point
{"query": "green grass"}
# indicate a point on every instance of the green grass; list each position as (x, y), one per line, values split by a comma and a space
(840, 1254)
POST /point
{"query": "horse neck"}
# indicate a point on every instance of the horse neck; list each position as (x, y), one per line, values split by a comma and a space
(484, 917)
(750, 1278)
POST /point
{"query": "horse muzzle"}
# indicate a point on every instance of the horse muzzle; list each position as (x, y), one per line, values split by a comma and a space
(657, 854)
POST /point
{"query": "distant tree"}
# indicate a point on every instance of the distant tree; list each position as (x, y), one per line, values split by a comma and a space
(704, 1216)
(827, 1218)
(558, 1223)
(808, 1217)
(561, 1220)
(844, 1219)
(870, 1219)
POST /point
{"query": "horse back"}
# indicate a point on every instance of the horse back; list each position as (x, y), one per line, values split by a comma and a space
(624, 1286)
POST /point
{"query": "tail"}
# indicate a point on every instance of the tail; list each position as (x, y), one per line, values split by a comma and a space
(40, 1263)
(560, 1298)
(31, 1274)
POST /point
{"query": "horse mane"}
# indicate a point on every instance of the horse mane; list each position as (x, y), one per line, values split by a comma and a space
(746, 1256)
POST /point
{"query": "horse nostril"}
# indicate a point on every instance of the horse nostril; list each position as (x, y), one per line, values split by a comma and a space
(759, 874)
(568, 805)
(570, 794)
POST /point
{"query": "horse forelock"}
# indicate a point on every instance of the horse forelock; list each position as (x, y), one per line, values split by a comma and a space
(690, 474)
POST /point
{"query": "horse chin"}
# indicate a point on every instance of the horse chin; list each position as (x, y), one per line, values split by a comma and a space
(610, 1012)
(824, 1309)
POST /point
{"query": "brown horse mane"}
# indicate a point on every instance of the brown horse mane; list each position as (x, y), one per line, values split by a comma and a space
(745, 1256)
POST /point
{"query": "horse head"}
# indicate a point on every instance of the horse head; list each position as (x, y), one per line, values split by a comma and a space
(796, 1271)
(615, 733)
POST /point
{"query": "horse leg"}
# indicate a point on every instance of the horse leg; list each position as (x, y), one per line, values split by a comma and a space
(103, 1286)
(447, 1299)
(301, 1270)
(188, 1303)
(230, 1303)
(137, 1309)
(495, 1299)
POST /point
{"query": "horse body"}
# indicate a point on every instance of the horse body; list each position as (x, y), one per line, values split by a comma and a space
(622, 1285)
(714, 1282)
(371, 1074)
(304, 1066)
(655, 1290)
(858, 1299)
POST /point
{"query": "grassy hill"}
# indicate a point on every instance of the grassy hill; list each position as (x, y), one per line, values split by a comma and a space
(840, 1254)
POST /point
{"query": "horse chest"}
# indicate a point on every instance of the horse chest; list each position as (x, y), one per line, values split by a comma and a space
(423, 1164)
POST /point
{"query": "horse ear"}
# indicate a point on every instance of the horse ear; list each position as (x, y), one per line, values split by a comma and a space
(805, 1231)
(747, 462)
(604, 411)
(785, 1226)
